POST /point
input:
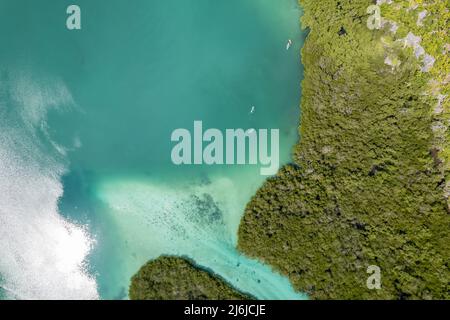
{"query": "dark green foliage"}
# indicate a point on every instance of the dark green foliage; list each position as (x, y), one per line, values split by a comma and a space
(173, 278)
(366, 187)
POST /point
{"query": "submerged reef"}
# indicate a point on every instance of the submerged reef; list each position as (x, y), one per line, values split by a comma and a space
(369, 179)
(176, 278)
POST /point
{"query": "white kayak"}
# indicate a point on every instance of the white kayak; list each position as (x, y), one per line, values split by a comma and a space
(289, 44)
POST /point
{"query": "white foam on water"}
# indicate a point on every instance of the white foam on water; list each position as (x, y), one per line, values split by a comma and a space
(35, 96)
(42, 255)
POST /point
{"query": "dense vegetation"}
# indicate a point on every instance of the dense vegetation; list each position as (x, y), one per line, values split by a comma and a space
(368, 182)
(173, 278)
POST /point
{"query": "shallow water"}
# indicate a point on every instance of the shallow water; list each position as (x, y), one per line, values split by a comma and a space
(94, 110)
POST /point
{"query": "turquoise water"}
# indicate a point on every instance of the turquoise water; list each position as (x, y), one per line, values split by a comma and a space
(86, 118)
